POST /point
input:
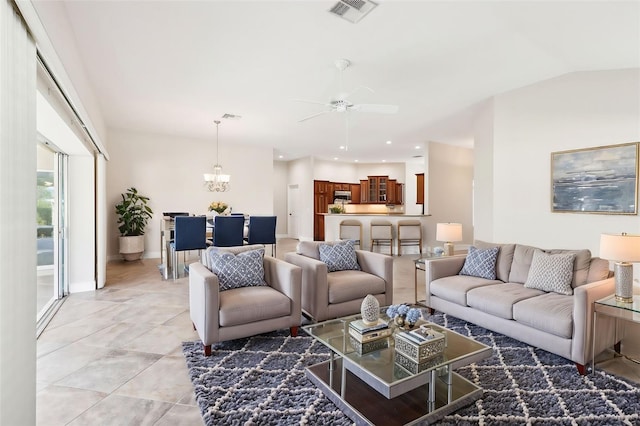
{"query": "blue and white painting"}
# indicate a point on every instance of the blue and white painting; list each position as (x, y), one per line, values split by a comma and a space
(596, 180)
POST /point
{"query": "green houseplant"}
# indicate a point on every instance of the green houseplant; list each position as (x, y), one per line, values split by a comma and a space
(133, 216)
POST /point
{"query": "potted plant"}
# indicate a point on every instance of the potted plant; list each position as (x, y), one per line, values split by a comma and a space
(133, 215)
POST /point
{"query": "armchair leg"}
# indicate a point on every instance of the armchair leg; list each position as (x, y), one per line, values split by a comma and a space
(582, 369)
(207, 350)
(294, 331)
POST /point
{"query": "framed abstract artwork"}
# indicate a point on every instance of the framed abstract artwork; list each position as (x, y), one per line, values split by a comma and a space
(596, 180)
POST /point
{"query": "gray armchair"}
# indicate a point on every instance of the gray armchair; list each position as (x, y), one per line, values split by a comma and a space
(231, 314)
(327, 295)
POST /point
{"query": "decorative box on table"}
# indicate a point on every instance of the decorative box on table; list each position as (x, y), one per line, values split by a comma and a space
(402, 361)
(365, 338)
(420, 345)
(370, 346)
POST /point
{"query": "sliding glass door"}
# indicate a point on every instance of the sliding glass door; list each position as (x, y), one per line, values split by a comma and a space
(51, 227)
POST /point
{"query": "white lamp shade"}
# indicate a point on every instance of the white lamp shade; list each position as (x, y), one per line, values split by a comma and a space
(620, 247)
(449, 232)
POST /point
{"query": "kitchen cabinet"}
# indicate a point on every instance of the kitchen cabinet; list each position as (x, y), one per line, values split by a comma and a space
(355, 193)
(364, 190)
(322, 197)
(420, 188)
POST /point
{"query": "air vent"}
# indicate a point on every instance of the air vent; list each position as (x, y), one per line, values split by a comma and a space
(232, 117)
(352, 10)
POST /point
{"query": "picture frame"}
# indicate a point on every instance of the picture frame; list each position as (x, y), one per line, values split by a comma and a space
(600, 180)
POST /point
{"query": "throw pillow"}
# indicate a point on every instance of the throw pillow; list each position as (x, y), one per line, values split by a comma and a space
(339, 256)
(481, 263)
(245, 269)
(551, 272)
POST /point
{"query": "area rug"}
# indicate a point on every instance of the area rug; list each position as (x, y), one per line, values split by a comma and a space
(260, 381)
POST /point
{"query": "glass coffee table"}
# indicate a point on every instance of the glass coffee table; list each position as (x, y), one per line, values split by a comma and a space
(373, 389)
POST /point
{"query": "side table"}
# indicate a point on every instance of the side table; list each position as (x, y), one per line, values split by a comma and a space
(618, 310)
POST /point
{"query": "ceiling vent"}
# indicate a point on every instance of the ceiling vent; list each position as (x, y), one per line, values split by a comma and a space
(352, 10)
(231, 117)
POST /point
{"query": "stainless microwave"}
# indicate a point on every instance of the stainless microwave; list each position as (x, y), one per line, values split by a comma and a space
(342, 195)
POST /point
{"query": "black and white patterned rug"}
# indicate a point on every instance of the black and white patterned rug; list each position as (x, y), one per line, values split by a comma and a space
(260, 381)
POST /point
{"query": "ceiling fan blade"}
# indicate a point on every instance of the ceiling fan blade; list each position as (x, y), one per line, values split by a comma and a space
(383, 109)
(311, 102)
(312, 116)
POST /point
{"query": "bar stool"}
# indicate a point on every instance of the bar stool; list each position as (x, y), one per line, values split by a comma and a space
(409, 233)
(351, 229)
(382, 234)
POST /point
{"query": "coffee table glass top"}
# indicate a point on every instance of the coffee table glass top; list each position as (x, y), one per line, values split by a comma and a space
(381, 363)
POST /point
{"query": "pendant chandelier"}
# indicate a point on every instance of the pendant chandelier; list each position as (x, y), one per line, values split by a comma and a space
(217, 181)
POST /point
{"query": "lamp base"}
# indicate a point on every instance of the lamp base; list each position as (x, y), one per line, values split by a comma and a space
(448, 249)
(624, 282)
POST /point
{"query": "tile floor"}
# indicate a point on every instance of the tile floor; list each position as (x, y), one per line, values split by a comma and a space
(114, 356)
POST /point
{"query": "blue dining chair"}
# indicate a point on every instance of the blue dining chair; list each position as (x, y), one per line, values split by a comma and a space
(228, 231)
(262, 230)
(190, 233)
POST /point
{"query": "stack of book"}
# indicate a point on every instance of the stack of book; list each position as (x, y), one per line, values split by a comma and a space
(367, 338)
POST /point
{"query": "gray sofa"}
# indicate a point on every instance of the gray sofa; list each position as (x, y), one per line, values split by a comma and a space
(558, 323)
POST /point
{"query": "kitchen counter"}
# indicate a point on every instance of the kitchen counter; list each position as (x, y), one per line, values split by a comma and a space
(332, 226)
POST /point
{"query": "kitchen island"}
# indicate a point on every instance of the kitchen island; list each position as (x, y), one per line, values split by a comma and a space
(332, 226)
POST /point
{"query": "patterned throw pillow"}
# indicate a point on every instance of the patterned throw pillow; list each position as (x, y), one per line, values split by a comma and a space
(339, 256)
(245, 269)
(481, 263)
(551, 272)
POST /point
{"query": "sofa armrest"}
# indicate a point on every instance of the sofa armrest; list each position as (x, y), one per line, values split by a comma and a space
(204, 302)
(380, 265)
(287, 279)
(441, 267)
(584, 298)
(315, 287)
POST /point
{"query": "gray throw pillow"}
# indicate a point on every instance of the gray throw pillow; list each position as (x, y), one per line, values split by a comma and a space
(339, 256)
(481, 263)
(551, 272)
(244, 269)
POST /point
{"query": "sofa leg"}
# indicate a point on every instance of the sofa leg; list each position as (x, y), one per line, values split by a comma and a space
(294, 331)
(431, 311)
(207, 350)
(582, 369)
(617, 348)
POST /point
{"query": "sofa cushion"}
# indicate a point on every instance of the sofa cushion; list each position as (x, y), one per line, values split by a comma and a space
(340, 256)
(550, 312)
(505, 258)
(598, 270)
(522, 256)
(551, 272)
(310, 248)
(581, 265)
(498, 299)
(454, 288)
(266, 303)
(481, 263)
(348, 285)
(246, 269)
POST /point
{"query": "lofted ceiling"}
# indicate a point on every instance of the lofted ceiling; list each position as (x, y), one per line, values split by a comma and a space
(173, 67)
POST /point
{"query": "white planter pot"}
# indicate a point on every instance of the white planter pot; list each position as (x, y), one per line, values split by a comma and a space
(131, 248)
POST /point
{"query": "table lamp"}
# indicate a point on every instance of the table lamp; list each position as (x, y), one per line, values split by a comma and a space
(449, 233)
(623, 249)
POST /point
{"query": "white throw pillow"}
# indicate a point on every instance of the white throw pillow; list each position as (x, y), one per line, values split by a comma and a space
(551, 272)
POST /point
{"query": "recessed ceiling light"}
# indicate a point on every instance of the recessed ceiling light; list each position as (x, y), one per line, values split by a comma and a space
(418, 147)
(341, 146)
(280, 156)
(384, 161)
(335, 158)
(355, 161)
(388, 142)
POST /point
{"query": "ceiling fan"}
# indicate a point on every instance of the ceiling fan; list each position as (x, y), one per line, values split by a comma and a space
(342, 104)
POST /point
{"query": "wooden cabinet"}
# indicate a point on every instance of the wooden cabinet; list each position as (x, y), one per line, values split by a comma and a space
(364, 191)
(322, 197)
(399, 193)
(355, 193)
(420, 188)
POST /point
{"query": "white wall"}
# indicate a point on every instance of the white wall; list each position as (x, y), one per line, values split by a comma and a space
(450, 182)
(280, 206)
(411, 185)
(169, 170)
(578, 110)
(335, 171)
(301, 173)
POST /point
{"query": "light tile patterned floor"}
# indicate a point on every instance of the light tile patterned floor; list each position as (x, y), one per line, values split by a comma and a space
(114, 357)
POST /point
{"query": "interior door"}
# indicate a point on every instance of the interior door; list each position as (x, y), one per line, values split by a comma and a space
(293, 218)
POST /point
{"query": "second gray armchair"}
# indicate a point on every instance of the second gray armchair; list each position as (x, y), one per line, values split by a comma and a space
(327, 295)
